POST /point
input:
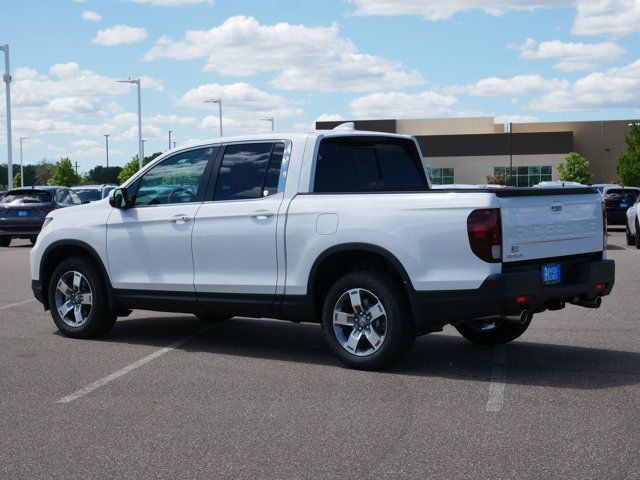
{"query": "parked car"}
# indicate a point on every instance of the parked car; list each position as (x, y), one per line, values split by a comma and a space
(340, 228)
(558, 184)
(602, 186)
(632, 225)
(617, 201)
(93, 193)
(23, 210)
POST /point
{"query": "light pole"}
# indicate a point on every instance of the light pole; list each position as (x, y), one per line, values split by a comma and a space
(21, 164)
(140, 153)
(7, 81)
(270, 119)
(106, 139)
(143, 147)
(170, 139)
(219, 102)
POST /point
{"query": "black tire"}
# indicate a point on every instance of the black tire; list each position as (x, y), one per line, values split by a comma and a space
(5, 241)
(213, 317)
(503, 332)
(637, 234)
(399, 331)
(630, 239)
(100, 319)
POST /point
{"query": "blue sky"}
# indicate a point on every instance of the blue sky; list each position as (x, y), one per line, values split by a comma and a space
(516, 60)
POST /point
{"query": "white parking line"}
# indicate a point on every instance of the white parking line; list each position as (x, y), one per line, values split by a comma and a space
(498, 379)
(123, 371)
(11, 305)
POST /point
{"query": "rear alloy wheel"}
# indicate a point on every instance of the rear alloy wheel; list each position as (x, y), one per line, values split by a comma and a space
(366, 321)
(78, 300)
(494, 332)
(5, 241)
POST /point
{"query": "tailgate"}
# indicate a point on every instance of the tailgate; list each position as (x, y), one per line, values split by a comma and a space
(549, 224)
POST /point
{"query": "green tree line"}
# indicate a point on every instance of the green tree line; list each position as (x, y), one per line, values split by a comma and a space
(63, 173)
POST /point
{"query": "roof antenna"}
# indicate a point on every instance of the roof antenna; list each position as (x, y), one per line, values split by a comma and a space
(345, 127)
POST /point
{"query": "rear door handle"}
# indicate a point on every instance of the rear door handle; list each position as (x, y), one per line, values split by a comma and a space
(261, 214)
(180, 219)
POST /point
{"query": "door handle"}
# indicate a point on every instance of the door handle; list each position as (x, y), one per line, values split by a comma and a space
(261, 214)
(180, 219)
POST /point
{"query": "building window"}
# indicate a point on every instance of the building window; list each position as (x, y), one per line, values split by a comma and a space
(441, 176)
(525, 176)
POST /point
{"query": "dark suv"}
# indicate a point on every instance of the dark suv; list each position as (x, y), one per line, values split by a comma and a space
(617, 201)
(22, 210)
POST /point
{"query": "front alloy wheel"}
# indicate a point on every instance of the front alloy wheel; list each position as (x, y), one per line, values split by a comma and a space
(74, 299)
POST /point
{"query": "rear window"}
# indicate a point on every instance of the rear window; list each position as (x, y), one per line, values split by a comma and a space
(23, 197)
(621, 195)
(88, 195)
(368, 164)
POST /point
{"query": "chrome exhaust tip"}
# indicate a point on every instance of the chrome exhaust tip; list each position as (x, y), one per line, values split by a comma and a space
(523, 317)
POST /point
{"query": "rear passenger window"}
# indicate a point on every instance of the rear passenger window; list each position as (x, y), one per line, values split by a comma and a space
(368, 164)
(249, 170)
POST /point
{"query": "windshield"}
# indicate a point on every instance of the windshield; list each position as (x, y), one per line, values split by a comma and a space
(88, 195)
(622, 196)
(30, 196)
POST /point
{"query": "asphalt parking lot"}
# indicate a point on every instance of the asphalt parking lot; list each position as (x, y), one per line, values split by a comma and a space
(168, 396)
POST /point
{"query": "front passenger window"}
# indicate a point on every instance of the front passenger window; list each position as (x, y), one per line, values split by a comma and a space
(178, 179)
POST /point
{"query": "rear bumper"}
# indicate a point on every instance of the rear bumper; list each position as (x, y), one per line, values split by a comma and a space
(498, 295)
(17, 229)
(617, 217)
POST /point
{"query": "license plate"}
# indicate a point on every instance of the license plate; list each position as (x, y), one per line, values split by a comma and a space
(23, 213)
(624, 205)
(551, 274)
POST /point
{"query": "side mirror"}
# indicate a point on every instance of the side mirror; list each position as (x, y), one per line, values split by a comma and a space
(119, 198)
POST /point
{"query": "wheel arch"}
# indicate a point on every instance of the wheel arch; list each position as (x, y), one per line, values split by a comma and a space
(63, 249)
(339, 260)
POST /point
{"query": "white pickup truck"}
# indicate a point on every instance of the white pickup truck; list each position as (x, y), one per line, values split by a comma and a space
(340, 228)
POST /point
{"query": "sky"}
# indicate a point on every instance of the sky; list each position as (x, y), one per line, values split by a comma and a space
(299, 62)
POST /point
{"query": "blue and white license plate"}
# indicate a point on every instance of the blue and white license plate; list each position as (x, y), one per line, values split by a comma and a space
(624, 205)
(23, 213)
(551, 274)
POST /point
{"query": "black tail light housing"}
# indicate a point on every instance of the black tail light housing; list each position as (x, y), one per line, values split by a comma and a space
(484, 228)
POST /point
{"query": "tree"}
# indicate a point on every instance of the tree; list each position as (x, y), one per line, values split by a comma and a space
(43, 172)
(499, 179)
(575, 168)
(64, 175)
(100, 175)
(132, 167)
(629, 161)
(17, 180)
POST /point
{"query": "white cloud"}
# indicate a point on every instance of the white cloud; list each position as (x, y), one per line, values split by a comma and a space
(439, 10)
(86, 144)
(615, 88)
(171, 3)
(329, 117)
(304, 58)
(120, 35)
(90, 16)
(518, 85)
(614, 18)
(570, 56)
(172, 120)
(515, 119)
(402, 105)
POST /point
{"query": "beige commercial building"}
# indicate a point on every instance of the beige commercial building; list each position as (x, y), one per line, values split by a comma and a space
(468, 150)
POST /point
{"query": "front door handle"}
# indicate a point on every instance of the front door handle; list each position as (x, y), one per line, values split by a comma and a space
(261, 214)
(180, 219)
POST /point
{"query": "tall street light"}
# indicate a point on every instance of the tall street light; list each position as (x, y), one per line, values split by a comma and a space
(170, 139)
(219, 102)
(7, 81)
(270, 119)
(140, 152)
(21, 164)
(143, 147)
(106, 139)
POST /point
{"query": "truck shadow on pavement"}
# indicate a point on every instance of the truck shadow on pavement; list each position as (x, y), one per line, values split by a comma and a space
(436, 355)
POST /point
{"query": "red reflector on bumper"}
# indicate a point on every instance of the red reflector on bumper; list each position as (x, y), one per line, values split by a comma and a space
(523, 299)
(600, 286)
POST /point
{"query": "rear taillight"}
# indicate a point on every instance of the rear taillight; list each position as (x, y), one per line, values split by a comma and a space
(485, 234)
(604, 225)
